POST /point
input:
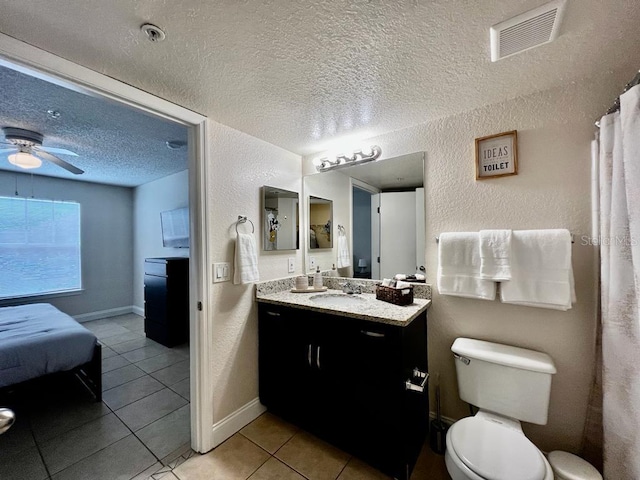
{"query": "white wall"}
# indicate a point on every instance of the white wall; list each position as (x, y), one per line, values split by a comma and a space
(149, 200)
(239, 166)
(107, 239)
(551, 190)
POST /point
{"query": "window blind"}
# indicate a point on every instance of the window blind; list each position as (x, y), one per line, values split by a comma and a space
(39, 247)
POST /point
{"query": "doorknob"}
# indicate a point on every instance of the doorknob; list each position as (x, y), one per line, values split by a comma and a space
(7, 418)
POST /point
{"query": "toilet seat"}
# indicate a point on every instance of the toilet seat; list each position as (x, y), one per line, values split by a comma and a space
(494, 451)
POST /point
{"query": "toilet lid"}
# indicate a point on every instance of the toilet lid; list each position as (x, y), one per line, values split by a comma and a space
(496, 452)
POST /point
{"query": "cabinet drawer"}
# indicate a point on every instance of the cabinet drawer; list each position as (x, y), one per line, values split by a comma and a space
(155, 268)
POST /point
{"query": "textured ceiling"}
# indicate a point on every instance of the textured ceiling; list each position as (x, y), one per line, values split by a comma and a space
(305, 74)
(115, 144)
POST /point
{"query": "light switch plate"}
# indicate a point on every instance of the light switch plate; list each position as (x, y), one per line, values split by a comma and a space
(221, 272)
(312, 263)
(291, 263)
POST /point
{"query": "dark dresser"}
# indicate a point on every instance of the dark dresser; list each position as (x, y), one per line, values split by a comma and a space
(166, 300)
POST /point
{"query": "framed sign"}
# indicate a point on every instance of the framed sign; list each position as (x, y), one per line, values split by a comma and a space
(497, 155)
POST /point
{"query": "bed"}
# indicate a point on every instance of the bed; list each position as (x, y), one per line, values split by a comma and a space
(39, 339)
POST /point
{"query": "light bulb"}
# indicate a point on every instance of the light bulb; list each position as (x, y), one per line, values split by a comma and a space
(24, 160)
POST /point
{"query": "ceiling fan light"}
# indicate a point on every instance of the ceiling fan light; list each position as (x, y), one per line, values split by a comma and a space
(24, 160)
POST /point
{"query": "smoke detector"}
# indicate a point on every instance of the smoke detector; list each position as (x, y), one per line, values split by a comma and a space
(153, 33)
(528, 30)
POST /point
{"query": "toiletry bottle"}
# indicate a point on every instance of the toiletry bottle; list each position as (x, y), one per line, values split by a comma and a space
(317, 279)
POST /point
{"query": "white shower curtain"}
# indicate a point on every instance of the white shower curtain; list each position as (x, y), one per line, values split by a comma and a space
(620, 286)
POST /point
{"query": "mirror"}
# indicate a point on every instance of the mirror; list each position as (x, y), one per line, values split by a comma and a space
(381, 204)
(320, 223)
(280, 219)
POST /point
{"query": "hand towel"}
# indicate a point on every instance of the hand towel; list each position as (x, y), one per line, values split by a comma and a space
(459, 267)
(495, 254)
(344, 259)
(246, 260)
(541, 272)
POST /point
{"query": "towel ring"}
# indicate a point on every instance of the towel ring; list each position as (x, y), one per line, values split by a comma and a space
(244, 219)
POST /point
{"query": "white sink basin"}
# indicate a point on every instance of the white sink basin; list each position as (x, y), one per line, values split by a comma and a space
(337, 300)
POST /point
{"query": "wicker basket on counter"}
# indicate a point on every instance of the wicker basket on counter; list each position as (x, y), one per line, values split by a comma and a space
(394, 295)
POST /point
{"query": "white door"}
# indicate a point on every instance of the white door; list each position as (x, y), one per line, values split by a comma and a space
(397, 233)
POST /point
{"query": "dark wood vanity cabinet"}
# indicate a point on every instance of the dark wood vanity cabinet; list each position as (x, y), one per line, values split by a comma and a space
(166, 300)
(349, 381)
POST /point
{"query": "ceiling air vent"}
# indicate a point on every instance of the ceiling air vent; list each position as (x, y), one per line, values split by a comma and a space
(528, 30)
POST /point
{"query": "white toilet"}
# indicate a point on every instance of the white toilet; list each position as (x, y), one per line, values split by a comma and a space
(509, 385)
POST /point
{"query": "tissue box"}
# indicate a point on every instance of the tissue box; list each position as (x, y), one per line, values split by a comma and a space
(394, 295)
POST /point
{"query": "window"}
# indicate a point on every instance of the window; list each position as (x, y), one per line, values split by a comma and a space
(39, 247)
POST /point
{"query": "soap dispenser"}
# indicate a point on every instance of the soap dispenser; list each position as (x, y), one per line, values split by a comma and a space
(317, 279)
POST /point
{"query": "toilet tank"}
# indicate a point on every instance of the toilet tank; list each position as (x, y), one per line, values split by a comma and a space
(507, 380)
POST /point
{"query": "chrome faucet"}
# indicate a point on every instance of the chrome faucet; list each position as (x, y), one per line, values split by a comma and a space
(350, 288)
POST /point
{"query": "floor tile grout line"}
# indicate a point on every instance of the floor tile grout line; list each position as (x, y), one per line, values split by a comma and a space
(76, 427)
(284, 462)
(157, 419)
(37, 444)
(141, 398)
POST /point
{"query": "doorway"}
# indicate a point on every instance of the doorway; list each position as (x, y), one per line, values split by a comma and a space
(38, 63)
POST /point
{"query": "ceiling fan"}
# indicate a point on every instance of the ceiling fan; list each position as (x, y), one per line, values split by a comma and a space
(29, 151)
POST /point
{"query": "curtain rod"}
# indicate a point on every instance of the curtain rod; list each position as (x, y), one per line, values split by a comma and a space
(616, 105)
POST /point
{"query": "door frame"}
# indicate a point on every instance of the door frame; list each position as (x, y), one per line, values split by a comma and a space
(35, 62)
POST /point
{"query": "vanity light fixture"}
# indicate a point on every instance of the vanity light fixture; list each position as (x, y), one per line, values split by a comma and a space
(358, 157)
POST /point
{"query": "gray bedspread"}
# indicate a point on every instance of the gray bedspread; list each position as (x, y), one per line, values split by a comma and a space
(39, 339)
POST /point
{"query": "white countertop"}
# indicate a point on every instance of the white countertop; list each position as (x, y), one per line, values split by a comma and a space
(369, 309)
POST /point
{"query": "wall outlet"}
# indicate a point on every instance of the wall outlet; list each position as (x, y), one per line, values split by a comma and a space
(221, 272)
(291, 263)
(312, 263)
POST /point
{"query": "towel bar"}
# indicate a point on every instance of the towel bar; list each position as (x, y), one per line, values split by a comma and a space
(572, 239)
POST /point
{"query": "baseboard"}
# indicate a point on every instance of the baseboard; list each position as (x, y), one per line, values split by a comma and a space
(112, 312)
(138, 310)
(447, 420)
(234, 422)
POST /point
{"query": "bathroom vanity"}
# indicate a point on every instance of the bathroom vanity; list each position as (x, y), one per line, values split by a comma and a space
(351, 370)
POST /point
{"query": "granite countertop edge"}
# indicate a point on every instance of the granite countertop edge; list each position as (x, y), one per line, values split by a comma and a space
(379, 311)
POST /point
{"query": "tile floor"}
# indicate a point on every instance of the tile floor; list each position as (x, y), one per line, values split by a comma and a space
(140, 427)
(270, 448)
(140, 431)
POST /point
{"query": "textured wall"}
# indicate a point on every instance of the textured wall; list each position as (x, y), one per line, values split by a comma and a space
(107, 238)
(239, 166)
(149, 200)
(552, 190)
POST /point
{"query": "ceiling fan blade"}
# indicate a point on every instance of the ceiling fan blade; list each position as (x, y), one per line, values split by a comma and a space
(7, 150)
(58, 161)
(62, 151)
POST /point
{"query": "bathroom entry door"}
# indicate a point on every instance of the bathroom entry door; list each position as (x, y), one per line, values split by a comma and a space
(397, 233)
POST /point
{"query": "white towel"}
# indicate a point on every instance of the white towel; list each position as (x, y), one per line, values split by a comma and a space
(344, 259)
(495, 254)
(246, 260)
(542, 275)
(459, 267)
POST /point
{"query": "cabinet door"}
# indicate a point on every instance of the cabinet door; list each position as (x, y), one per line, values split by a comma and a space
(286, 357)
(155, 298)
